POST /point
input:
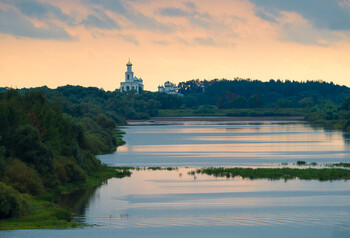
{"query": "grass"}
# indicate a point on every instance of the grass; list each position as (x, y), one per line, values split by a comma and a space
(118, 135)
(344, 165)
(244, 112)
(43, 215)
(162, 168)
(326, 174)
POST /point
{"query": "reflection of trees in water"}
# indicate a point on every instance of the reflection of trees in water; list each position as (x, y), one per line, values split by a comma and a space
(346, 137)
(78, 201)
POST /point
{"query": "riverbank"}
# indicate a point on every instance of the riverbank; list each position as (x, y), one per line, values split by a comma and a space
(223, 119)
(235, 112)
(45, 213)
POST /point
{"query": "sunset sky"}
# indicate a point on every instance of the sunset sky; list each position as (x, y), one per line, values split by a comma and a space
(88, 42)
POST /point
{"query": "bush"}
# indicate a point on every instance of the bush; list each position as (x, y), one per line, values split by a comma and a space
(74, 173)
(61, 172)
(63, 214)
(12, 203)
(23, 178)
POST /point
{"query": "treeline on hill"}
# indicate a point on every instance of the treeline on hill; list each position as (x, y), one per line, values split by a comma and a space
(245, 93)
(81, 102)
(326, 104)
(42, 149)
(331, 115)
(201, 96)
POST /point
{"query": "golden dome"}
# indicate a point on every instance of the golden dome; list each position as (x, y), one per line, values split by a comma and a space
(129, 63)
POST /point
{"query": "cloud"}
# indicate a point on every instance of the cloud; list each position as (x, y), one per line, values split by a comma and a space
(205, 41)
(195, 18)
(266, 16)
(93, 21)
(305, 34)
(324, 14)
(138, 19)
(13, 23)
(129, 38)
(40, 10)
(100, 20)
(142, 21)
(191, 5)
(111, 5)
(173, 12)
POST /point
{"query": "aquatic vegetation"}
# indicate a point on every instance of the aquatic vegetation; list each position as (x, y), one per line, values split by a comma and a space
(162, 168)
(122, 172)
(326, 174)
(345, 165)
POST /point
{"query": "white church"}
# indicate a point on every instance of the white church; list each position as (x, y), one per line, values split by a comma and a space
(131, 83)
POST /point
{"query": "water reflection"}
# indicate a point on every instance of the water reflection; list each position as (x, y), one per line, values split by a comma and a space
(161, 199)
(228, 144)
(78, 201)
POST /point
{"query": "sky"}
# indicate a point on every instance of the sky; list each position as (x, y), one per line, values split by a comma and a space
(89, 42)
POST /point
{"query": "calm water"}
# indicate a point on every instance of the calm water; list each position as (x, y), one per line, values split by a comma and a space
(176, 204)
(204, 144)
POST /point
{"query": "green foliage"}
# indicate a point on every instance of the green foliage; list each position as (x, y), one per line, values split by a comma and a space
(23, 178)
(28, 147)
(63, 214)
(346, 104)
(327, 114)
(205, 109)
(80, 102)
(285, 103)
(275, 93)
(300, 162)
(41, 215)
(43, 151)
(279, 173)
(236, 112)
(105, 122)
(306, 102)
(12, 203)
(98, 139)
(74, 173)
(255, 101)
(2, 160)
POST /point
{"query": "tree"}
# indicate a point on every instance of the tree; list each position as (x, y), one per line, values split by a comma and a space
(306, 102)
(27, 146)
(255, 101)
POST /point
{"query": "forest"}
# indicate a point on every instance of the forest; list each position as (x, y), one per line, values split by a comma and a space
(44, 152)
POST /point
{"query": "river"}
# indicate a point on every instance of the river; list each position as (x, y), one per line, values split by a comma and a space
(179, 204)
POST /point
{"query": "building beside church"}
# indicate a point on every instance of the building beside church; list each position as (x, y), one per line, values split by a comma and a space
(131, 83)
(169, 88)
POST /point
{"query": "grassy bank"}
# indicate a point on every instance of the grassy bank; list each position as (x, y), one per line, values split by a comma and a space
(326, 174)
(44, 212)
(245, 112)
(42, 215)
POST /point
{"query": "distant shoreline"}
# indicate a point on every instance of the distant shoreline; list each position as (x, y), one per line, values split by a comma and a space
(277, 118)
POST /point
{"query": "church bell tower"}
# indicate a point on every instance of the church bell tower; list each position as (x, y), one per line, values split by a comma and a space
(129, 75)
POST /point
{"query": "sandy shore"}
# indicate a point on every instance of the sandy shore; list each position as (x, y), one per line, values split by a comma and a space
(278, 118)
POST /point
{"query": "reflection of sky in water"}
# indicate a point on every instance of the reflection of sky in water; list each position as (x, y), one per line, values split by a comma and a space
(176, 204)
(166, 199)
(233, 144)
